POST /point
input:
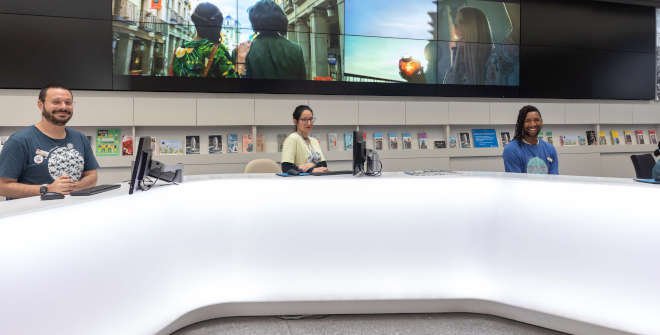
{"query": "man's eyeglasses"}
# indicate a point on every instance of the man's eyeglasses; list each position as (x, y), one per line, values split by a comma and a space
(312, 120)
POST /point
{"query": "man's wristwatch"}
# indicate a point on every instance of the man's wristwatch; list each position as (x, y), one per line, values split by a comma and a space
(43, 189)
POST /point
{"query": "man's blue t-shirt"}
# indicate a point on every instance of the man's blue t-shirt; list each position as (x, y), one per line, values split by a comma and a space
(31, 157)
(538, 158)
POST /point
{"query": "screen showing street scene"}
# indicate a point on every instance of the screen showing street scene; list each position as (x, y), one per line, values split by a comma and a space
(462, 42)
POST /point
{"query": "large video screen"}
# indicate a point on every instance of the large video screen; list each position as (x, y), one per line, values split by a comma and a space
(657, 54)
(457, 42)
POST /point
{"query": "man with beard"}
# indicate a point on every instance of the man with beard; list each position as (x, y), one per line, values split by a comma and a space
(47, 157)
(527, 153)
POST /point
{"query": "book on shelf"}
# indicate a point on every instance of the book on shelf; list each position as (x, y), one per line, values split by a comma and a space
(248, 146)
(581, 140)
(127, 145)
(452, 141)
(505, 137)
(192, 145)
(406, 141)
(348, 141)
(485, 138)
(170, 147)
(591, 137)
(232, 143)
(422, 141)
(439, 144)
(627, 136)
(639, 136)
(261, 144)
(652, 137)
(378, 141)
(280, 141)
(602, 139)
(549, 138)
(215, 144)
(465, 139)
(615, 137)
(333, 142)
(393, 141)
(569, 140)
(108, 142)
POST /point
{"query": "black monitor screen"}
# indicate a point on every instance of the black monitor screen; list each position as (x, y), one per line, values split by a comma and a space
(359, 152)
(141, 165)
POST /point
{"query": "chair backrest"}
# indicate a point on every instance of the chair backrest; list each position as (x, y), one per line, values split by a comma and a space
(643, 165)
(262, 165)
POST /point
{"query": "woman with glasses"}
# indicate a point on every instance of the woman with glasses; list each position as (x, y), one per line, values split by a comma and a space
(300, 151)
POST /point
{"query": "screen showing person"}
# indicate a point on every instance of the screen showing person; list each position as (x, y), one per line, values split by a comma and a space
(467, 43)
(362, 41)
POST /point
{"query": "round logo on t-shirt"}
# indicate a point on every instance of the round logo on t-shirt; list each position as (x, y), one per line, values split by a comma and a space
(537, 166)
(65, 161)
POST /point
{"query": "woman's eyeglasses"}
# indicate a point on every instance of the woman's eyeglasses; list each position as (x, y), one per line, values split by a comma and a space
(311, 120)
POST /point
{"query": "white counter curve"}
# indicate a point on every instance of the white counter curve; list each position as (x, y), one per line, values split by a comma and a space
(570, 254)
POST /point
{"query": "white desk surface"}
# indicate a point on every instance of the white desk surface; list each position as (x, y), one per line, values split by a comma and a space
(574, 254)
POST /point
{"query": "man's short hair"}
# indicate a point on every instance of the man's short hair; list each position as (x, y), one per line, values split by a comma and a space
(44, 91)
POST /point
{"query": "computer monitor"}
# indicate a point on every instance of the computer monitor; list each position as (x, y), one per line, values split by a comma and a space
(359, 152)
(142, 163)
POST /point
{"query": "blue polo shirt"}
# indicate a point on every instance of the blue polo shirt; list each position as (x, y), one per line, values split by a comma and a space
(538, 158)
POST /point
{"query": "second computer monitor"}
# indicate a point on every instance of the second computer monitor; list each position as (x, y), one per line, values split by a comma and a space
(141, 165)
(359, 152)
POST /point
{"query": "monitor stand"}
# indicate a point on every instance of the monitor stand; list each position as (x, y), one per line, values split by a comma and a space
(168, 173)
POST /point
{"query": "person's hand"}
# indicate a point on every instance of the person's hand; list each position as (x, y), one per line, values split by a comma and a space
(306, 166)
(242, 51)
(320, 169)
(63, 184)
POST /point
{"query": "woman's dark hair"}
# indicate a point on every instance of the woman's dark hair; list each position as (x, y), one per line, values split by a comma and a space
(268, 18)
(208, 21)
(520, 123)
(298, 112)
(474, 49)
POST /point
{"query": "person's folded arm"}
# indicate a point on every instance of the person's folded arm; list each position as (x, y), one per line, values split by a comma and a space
(89, 179)
(11, 188)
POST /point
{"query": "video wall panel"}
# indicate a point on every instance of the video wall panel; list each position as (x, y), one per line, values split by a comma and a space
(458, 48)
(45, 49)
(455, 42)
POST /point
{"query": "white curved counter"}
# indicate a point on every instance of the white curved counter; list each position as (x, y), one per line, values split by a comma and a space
(571, 254)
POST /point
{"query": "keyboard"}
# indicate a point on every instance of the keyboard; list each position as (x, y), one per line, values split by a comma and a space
(331, 173)
(94, 190)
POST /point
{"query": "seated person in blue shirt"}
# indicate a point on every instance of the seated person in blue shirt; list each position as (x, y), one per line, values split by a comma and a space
(47, 156)
(527, 153)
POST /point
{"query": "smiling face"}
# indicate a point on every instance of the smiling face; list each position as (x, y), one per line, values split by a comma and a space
(533, 124)
(57, 107)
